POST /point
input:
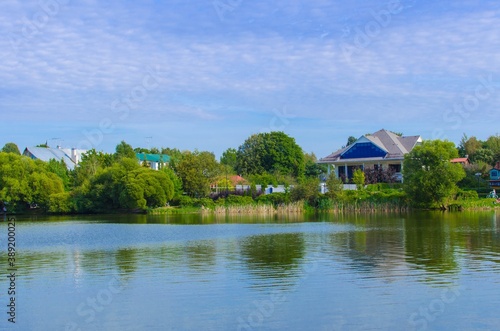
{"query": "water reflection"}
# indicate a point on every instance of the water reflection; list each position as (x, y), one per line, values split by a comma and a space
(273, 256)
(208, 270)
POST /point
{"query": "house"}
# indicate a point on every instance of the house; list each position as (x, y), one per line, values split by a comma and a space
(70, 156)
(380, 150)
(495, 176)
(154, 161)
(464, 161)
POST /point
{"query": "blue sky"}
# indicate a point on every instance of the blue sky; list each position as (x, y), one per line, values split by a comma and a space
(207, 74)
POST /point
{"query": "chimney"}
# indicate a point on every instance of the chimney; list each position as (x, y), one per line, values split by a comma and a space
(74, 155)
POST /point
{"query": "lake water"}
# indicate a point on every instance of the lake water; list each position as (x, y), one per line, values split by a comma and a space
(415, 271)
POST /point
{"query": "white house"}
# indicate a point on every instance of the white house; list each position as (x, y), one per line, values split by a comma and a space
(154, 161)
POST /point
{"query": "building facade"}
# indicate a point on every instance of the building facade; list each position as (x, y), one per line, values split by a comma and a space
(380, 150)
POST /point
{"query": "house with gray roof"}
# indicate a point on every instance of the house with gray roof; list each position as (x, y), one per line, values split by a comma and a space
(70, 156)
(380, 150)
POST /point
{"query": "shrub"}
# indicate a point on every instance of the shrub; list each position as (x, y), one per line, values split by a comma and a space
(274, 198)
(467, 195)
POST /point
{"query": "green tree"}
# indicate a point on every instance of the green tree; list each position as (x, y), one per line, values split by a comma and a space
(198, 170)
(493, 144)
(358, 177)
(312, 167)
(273, 152)
(175, 156)
(430, 179)
(124, 150)
(88, 166)
(483, 155)
(126, 185)
(24, 182)
(176, 181)
(61, 170)
(307, 190)
(229, 158)
(11, 148)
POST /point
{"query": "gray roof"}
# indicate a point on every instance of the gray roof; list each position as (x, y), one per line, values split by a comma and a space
(395, 146)
(46, 154)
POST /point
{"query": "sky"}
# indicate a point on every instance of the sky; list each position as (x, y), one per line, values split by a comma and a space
(208, 74)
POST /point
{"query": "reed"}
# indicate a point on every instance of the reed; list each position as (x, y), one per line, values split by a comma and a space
(257, 209)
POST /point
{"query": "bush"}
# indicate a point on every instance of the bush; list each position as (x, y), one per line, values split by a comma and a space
(61, 203)
(239, 200)
(182, 201)
(274, 198)
(467, 195)
(204, 202)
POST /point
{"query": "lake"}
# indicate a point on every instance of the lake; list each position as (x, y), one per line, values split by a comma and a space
(411, 271)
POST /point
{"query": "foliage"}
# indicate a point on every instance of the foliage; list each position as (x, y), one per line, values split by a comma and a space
(175, 156)
(61, 203)
(236, 200)
(11, 148)
(61, 170)
(480, 151)
(88, 166)
(266, 179)
(334, 185)
(229, 158)
(379, 175)
(430, 177)
(467, 195)
(44, 145)
(358, 177)
(493, 144)
(471, 180)
(176, 181)
(25, 182)
(312, 167)
(198, 170)
(273, 152)
(124, 150)
(307, 190)
(125, 185)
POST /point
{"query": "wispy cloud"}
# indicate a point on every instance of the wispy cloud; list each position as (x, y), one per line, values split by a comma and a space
(261, 56)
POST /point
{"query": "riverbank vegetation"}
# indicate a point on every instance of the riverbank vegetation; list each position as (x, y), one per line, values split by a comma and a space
(195, 181)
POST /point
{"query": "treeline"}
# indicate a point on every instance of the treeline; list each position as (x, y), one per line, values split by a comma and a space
(104, 182)
(483, 155)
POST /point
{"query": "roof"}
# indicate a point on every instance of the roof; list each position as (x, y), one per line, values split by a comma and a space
(238, 180)
(163, 158)
(460, 160)
(387, 142)
(47, 153)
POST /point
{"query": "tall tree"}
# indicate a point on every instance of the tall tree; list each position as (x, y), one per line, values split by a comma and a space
(11, 148)
(312, 167)
(493, 144)
(273, 152)
(124, 150)
(429, 176)
(229, 158)
(197, 171)
(24, 182)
